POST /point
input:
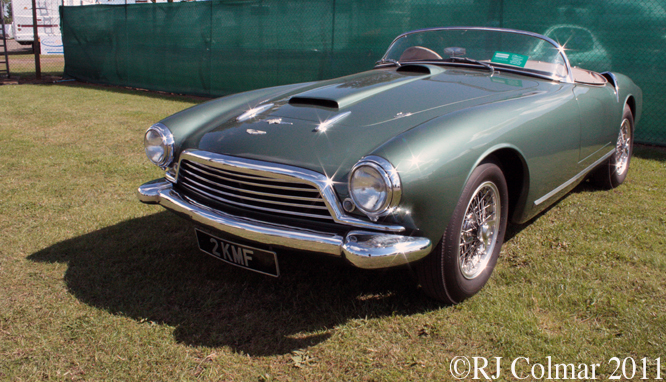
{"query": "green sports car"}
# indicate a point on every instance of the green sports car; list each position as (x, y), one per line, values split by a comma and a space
(422, 160)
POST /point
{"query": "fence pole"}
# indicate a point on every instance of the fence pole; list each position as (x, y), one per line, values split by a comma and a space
(36, 46)
(4, 38)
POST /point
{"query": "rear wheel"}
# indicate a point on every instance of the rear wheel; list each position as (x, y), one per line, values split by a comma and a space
(614, 171)
(465, 257)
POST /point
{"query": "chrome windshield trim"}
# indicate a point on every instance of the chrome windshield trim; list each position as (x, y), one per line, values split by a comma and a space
(256, 167)
(568, 78)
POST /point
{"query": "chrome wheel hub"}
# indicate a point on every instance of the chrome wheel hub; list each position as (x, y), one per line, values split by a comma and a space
(623, 148)
(479, 231)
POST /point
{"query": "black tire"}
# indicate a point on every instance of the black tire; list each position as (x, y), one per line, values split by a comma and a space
(610, 174)
(440, 274)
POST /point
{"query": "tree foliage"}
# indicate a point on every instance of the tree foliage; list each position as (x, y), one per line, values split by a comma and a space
(6, 6)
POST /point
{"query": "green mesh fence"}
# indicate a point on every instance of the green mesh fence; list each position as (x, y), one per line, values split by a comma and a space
(220, 47)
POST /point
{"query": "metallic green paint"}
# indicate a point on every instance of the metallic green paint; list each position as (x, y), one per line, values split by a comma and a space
(434, 128)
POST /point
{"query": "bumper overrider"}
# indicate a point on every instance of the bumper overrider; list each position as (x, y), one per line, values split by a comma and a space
(363, 249)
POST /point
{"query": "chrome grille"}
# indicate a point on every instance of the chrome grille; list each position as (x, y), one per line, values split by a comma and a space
(265, 192)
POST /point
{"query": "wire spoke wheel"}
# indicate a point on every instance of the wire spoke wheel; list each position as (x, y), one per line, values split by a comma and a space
(465, 257)
(479, 230)
(623, 148)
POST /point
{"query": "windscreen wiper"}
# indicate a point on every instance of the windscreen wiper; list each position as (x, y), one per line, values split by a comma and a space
(388, 61)
(471, 61)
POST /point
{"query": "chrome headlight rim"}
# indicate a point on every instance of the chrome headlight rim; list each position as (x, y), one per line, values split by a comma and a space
(391, 179)
(167, 145)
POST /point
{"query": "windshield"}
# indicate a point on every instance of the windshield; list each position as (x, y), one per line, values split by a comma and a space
(502, 49)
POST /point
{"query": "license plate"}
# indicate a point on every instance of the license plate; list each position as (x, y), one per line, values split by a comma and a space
(243, 256)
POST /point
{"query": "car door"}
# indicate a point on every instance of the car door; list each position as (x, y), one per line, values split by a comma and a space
(598, 111)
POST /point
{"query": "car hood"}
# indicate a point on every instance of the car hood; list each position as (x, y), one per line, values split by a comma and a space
(374, 107)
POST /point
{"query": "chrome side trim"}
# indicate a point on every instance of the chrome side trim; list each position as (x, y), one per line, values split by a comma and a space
(369, 250)
(574, 179)
(569, 77)
(288, 173)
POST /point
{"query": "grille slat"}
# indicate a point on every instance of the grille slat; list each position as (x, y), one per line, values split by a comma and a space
(265, 193)
(272, 195)
(194, 185)
(288, 188)
(240, 175)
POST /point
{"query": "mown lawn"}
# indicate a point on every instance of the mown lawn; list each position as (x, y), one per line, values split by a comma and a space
(23, 65)
(97, 286)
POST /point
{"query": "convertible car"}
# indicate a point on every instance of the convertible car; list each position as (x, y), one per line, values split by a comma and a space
(422, 160)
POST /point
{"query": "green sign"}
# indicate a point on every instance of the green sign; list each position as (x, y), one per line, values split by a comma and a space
(510, 59)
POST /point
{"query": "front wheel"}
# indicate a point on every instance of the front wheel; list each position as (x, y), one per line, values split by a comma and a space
(465, 257)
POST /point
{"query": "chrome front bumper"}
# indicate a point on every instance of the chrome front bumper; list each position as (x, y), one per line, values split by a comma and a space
(364, 249)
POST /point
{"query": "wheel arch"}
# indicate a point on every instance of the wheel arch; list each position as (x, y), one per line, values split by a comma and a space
(516, 173)
(631, 101)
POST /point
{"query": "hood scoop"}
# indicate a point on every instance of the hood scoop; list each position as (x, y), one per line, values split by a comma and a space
(341, 95)
(311, 101)
(421, 69)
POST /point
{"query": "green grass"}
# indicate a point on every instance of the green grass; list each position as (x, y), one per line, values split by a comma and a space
(23, 65)
(97, 286)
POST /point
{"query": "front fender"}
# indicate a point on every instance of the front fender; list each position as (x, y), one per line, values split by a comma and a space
(435, 160)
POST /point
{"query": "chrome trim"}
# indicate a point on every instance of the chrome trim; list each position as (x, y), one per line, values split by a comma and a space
(623, 148)
(170, 174)
(161, 192)
(616, 85)
(479, 230)
(568, 78)
(369, 250)
(574, 179)
(258, 178)
(391, 178)
(289, 174)
(253, 112)
(322, 127)
(314, 207)
(167, 141)
(194, 178)
(254, 192)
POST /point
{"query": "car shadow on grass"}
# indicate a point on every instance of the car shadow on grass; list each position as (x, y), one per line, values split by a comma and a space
(150, 269)
(655, 153)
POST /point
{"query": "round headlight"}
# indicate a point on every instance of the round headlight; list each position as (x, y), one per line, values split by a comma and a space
(368, 189)
(374, 186)
(158, 142)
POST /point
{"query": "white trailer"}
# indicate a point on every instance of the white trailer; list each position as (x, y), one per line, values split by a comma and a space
(48, 19)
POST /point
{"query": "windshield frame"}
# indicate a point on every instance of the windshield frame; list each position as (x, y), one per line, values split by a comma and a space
(567, 79)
